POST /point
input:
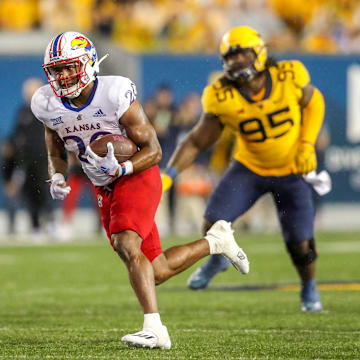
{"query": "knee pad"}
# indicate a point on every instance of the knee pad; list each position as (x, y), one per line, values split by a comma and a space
(299, 255)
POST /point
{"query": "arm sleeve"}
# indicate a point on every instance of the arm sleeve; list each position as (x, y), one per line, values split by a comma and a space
(313, 116)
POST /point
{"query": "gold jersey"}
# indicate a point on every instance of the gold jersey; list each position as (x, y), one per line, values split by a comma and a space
(267, 131)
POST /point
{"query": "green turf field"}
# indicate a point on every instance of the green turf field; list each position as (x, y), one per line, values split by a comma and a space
(74, 301)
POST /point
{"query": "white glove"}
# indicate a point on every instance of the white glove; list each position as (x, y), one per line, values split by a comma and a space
(107, 164)
(321, 182)
(58, 188)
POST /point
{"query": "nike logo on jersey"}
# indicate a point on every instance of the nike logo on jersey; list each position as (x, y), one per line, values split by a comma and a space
(99, 113)
(56, 121)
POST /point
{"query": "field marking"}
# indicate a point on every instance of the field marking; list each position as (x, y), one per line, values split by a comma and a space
(98, 289)
(348, 246)
(62, 329)
(8, 259)
(61, 357)
(352, 285)
(280, 331)
(333, 247)
(325, 287)
(246, 331)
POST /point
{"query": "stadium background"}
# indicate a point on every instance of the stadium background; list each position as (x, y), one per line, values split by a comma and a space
(175, 42)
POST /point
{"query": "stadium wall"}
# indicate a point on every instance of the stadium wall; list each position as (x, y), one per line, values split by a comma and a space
(338, 77)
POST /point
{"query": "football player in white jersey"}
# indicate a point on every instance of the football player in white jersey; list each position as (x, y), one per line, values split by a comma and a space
(76, 108)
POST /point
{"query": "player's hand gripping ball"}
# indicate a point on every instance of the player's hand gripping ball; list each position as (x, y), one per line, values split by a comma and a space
(124, 148)
(109, 152)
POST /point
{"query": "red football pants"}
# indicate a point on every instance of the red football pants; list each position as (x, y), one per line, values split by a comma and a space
(130, 203)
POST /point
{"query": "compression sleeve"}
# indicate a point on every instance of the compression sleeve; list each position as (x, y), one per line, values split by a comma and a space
(313, 115)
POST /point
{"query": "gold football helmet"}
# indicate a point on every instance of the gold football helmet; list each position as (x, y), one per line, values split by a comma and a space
(239, 39)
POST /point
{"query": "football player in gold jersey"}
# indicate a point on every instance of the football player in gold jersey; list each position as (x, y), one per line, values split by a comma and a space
(276, 114)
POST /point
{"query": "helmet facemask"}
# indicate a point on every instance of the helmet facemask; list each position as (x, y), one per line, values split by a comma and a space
(65, 86)
(240, 72)
(246, 40)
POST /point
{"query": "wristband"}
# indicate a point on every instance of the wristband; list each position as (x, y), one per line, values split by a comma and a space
(127, 168)
(57, 177)
(172, 172)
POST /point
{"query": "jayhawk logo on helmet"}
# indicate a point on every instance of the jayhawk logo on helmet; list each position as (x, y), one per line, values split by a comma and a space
(80, 42)
(241, 38)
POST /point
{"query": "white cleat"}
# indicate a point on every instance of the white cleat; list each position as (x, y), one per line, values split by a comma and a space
(149, 338)
(221, 241)
(311, 306)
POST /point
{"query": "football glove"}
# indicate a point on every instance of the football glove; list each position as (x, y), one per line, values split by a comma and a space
(167, 182)
(107, 164)
(305, 158)
(58, 188)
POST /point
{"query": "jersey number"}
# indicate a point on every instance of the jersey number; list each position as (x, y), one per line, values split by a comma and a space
(222, 94)
(81, 145)
(255, 131)
(131, 94)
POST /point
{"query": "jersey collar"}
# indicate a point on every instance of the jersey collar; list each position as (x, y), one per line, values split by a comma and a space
(67, 104)
(267, 92)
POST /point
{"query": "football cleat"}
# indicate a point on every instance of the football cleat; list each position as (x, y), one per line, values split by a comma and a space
(149, 338)
(221, 241)
(310, 297)
(202, 276)
(311, 306)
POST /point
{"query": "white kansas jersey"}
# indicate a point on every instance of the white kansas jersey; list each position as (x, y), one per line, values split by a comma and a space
(78, 127)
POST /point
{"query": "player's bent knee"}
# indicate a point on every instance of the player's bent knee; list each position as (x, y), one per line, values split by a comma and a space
(303, 253)
(127, 245)
(161, 269)
(160, 277)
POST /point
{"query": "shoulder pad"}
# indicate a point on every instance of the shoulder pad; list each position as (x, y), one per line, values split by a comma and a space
(122, 93)
(40, 101)
(208, 99)
(215, 95)
(295, 71)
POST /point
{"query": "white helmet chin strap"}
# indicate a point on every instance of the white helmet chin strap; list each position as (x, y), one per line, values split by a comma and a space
(94, 71)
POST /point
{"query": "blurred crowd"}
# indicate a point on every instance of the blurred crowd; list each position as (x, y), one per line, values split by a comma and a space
(320, 26)
(23, 161)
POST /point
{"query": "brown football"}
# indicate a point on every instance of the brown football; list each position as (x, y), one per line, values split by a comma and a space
(124, 148)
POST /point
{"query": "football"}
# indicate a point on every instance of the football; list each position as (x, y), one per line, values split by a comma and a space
(124, 148)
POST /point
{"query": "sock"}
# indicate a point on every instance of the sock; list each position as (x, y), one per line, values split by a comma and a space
(309, 291)
(152, 321)
(308, 284)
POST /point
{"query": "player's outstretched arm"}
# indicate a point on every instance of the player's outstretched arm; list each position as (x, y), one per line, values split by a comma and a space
(313, 106)
(57, 164)
(201, 137)
(139, 129)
